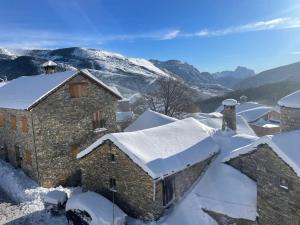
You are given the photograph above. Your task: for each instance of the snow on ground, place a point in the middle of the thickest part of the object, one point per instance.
(28, 198)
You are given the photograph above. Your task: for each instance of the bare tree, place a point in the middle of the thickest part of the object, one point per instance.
(171, 97)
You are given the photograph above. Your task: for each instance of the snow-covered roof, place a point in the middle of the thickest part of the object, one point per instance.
(3, 83)
(254, 114)
(98, 207)
(291, 100)
(221, 189)
(242, 106)
(149, 119)
(166, 149)
(124, 116)
(26, 91)
(49, 63)
(285, 145)
(214, 121)
(230, 102)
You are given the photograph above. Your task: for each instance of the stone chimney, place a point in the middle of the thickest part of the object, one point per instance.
(290, 112)
(49, 67)
(243, 99)
(229, 114)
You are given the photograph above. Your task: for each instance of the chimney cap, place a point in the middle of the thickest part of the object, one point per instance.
(49, 63)
(230, 102)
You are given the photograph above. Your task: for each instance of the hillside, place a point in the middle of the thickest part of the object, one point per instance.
(130, 75)
(289, 72)
(267, 94)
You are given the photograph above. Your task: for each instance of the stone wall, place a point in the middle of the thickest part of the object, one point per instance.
(261, 131)
(222, 219)
(278, 186)
(290, 119)
(137, 193)
(13, 139)
(63, 125)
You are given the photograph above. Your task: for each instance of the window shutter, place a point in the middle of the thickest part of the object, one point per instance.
(74, 151)
(24, 124)
(28, 157)
(98, 121)
(78, 89)
(2, 120)
(13, 121)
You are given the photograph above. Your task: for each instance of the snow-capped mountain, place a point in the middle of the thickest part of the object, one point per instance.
(129, 75)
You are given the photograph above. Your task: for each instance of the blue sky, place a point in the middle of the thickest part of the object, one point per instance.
(213, 35)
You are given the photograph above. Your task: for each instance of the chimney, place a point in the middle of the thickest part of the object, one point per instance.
(243, 99)
(229, 114)
(49, 67)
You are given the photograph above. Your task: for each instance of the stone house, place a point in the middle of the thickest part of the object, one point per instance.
(46, 119)
(273, 162)
(146, 171)
(264, 120)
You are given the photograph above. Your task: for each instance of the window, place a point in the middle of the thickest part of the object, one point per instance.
(112, 183)
(98, 121)
(27, 157)
(74, 150)
(2, 120)
(284, 183)
(78, 90)
(112, 157)
(24, 124)
(13, 122)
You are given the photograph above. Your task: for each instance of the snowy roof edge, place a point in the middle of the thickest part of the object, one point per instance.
(110, 137)
(85, 72)
(264, 140)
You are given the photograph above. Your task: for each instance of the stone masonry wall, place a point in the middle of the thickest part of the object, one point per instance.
(135, 188)
(10, 138)
(290, 119)
(277, 203)
(137, 193)
(62, 122)
(261, 131)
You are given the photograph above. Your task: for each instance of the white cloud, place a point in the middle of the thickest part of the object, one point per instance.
(170, 35)
(278, 23)
(295, 53)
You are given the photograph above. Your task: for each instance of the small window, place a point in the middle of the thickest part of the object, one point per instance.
(112, 183)
(27, 157)
(13, 122)
(98, 120)
(2, 120)
(74, 151)
(284, 183)
(112, 157)
(78, 90)
(24, 124)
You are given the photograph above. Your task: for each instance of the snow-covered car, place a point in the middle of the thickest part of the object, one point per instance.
(90, 208)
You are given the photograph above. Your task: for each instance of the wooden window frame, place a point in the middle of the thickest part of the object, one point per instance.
(24, 124)
(2, 120)
(78, 89)
(13, 121)
(98, 120)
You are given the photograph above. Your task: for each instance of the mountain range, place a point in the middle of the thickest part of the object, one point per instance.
(129, 75)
